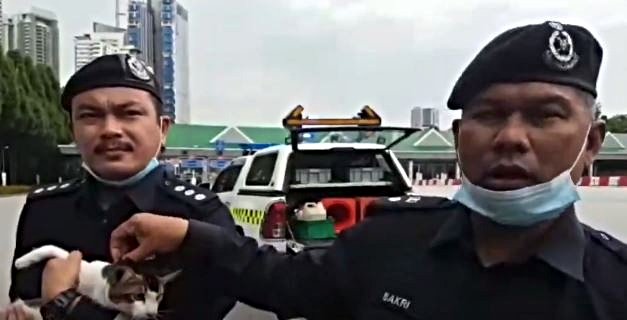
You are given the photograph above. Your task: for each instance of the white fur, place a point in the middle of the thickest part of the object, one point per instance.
(91, 284)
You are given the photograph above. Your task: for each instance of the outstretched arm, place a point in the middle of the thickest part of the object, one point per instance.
(311, 285)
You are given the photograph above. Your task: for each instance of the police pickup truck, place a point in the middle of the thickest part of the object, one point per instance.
(300, 195)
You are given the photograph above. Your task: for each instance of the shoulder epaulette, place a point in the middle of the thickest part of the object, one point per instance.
(410, 202)
(187, 192)
(607, 241)
(38, 192)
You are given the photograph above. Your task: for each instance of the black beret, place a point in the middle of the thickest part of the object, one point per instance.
(114, 70)
(549, 52)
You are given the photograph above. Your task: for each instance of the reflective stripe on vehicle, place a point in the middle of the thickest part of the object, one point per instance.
(248, 216)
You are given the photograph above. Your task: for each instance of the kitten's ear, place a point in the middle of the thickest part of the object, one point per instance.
(169, 277)
(115, 273)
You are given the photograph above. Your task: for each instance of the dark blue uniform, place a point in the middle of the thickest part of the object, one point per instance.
(415, 259)
(71, 215)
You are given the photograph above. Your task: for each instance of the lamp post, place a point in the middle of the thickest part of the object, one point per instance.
(4, 173)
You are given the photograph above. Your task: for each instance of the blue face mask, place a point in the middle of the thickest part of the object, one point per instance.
(526, 206)
(152, 165)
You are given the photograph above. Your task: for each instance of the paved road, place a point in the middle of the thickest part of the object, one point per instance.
(603, 208)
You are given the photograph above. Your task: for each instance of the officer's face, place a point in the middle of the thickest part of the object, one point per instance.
(117, 130)
(517, 135)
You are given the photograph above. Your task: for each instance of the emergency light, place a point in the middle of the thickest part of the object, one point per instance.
(366, 117)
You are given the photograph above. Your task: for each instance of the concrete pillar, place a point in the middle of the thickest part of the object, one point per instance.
(410, 171)
(591, 169)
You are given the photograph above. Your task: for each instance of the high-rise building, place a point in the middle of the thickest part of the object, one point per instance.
(141, 30)
(425, 117)
(102, 40)
(175, 43)
(159, 30)
(8, 34)
(101, 27)
(35, 34)
(2, 36)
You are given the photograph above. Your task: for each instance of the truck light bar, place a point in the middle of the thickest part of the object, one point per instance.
(366, 117)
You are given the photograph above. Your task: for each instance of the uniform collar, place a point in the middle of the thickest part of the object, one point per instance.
(142, 194)
(455, 228)
(563, 248)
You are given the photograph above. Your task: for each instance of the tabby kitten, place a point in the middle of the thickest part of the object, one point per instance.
(115, 286)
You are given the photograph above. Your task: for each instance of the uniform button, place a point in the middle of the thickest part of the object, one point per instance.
(105, 221)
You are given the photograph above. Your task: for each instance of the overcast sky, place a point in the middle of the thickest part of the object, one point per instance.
(253, 60)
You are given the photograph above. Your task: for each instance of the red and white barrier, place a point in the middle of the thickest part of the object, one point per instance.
(604, 181)
(438, 182)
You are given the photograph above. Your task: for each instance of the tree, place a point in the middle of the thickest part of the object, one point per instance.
(32, 122)
(617, 123)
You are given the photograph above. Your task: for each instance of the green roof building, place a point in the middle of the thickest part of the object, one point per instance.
(430, 152)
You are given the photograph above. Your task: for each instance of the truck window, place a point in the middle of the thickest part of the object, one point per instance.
(261, 170)
(328, 168)
(225, 181)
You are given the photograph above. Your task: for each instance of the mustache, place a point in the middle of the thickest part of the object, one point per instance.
(113, 145)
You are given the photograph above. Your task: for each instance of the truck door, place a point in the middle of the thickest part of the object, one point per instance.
(224, 184)
(258, 191)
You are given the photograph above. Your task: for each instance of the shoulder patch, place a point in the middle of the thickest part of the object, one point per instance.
(43, 191)
(607, 241)
(187, 192)
(410, 202)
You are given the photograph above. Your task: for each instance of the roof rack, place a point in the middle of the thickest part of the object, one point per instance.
(366, 117)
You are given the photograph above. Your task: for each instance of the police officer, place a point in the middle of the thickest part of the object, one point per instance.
(508, 246)
(119, 130)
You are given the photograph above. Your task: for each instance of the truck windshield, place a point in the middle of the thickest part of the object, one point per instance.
(341, 168)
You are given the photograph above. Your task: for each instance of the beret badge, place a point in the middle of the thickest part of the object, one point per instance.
(138, 68)
(561, 53)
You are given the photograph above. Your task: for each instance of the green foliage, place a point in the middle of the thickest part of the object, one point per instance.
(32, 121)
(616, 124)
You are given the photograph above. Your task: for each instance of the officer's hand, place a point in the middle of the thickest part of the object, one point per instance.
(60, 275)
(145, 234)
(16, 311)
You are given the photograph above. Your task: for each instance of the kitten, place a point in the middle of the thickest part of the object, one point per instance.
(114, 286)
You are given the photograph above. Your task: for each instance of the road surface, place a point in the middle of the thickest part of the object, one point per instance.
(602, 208)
